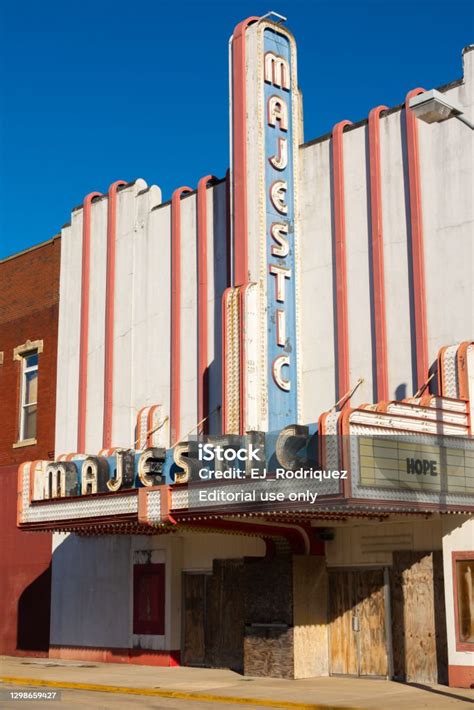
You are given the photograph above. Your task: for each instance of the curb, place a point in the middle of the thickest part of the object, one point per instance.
(174, 694)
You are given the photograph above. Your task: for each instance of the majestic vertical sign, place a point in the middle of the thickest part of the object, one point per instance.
(265, 232)
(280, 229)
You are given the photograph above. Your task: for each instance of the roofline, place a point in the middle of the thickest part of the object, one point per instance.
(347, 129)
(320, 139)
(35, 246)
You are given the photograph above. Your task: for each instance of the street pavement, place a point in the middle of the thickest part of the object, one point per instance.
(120, 686)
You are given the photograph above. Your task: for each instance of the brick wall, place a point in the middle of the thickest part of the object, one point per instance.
(29, 296)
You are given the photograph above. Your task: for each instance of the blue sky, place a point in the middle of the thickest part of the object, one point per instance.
(93, 92)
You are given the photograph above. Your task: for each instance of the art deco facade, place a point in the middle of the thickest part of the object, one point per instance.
(318, 300)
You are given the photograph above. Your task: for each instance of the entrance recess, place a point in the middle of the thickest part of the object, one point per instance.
(357, 622)
(213, 617)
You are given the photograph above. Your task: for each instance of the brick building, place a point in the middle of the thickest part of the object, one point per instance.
(29, 299)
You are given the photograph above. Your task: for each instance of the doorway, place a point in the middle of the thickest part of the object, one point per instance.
(213, 617)
(358, 607)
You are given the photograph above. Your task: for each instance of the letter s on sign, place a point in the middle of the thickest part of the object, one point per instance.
(279, 232)
(181, 459)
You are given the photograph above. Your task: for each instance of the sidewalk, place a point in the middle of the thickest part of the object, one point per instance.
(223, 687)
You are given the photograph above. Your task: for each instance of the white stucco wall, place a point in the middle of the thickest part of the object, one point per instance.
(143, 286)
(317, 324)
(374, 543)
(91, 576)
(446, 166)
(142, 325)
(92, 584)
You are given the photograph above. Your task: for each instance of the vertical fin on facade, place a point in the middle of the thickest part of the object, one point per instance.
(84, 333)
(202, 300)
(377, 249)
(417, 242)
(175, 375)
(110, 313)
(340, 260)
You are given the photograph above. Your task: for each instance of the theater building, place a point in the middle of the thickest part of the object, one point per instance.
(29, 297)
(315, 305)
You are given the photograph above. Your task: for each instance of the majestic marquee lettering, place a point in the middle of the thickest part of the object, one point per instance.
(280, 160)
(60, 480)
(278, 365)
(279, 232)
(281, 273)
(94, 475)
(278, 113)
(277, 70)
(278, 196)
(150, 465)
(124, 470)
(281, 328)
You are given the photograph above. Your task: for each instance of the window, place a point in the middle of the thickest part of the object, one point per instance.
(28, 395)
(464, 599)
(149, 599)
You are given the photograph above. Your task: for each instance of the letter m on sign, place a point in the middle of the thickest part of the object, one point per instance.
(277, 70)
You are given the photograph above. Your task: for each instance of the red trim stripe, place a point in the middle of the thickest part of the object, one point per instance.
(342, 323)
(84, 332)
(138, 427)
(149, 425)
(417, 245)
(239, 175)
(378, 273)
(239, 159)
(203, 327)
(109, 314)
(133, 656)
(175, 414)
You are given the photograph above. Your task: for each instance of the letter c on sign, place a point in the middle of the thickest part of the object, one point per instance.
(278, 363)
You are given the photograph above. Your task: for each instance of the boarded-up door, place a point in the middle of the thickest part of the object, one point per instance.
(213, 619)
(194, 619)
(418, 613)
(358, 641)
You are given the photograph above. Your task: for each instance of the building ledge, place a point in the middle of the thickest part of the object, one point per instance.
(24, 442)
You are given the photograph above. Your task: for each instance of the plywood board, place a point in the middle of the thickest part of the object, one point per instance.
(343, 643)
(358, 643)
(370, 608)
(413, 618)
(310, 593)
(194, 592)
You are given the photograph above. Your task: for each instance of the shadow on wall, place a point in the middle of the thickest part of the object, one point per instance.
(34, 614)
(401, 391)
